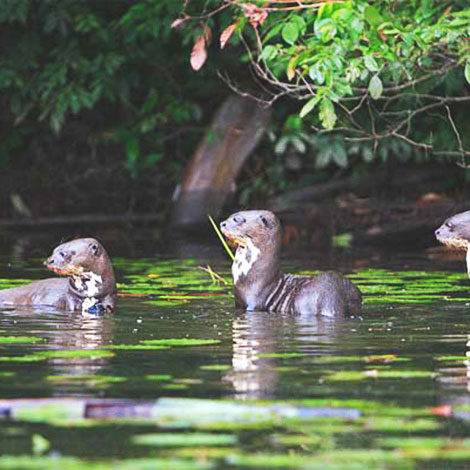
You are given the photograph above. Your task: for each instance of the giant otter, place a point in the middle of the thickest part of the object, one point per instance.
(89, 286)
(259, 284)
(455, 232)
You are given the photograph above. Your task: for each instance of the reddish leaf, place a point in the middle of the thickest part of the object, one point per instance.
(179, 22)
(199, 53)
(226, 33)
(443, 410)
(256, 15)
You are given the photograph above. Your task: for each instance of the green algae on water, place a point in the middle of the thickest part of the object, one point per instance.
(19, 339)
(175, 386)
(380, 374)
(75, 353)
(137, 347)
(180, 342)
(184, 439)
(281, 355)
(216, 367)
(11, 462)
(85, 378)
(161, 377)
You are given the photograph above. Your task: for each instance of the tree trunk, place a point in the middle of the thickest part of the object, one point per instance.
(209, 177)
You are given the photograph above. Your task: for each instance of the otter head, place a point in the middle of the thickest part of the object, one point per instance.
(88, 265)
(257, 235)
(76, 257)
(259, 227)
(455, 231)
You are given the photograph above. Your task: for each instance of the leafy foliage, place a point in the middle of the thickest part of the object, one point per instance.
(62, 59)
(366, 68)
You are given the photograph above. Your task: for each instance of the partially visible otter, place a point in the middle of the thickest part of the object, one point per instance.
(89, 286)
(455, 232)
(259, 284)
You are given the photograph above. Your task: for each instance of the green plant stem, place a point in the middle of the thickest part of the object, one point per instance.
(221, 237)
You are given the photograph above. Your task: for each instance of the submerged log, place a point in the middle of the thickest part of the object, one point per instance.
(210, 176)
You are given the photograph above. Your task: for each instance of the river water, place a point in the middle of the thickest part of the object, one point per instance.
(178, 378)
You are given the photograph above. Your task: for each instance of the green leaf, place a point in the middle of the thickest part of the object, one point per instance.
(375, 87)
(274, 31)
(300, 23)
(153, 158)
(467, 71)
(269, 52)
(308, 106)
(132, 149)
(340, 157)
(372, 16)
(370, 63)
(367, 154)
(325, 29)
(357, 25)
(290, 32)
(327, 114)
(316, 74)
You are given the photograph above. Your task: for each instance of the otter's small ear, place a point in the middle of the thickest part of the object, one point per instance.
(95, 249)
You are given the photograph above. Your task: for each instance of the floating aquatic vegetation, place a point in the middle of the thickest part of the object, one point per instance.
(281, 355)
(185, 439)
(344, 459)
(452, 358)
(379, 374)
(40, 444)
(180, 342)
(75, 354)
(161, 377)
(85, 378)
(27, 358)
(175, 386)
(11, 462)
(19, 339)
(217, 367)
(172, 283)
(137, 347)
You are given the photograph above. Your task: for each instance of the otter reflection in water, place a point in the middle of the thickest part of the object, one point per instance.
(261, 338)
(89, 287)
(259, 284)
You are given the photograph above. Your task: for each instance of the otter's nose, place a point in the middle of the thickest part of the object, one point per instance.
(48, 261)
(223, 224)
(437, 232)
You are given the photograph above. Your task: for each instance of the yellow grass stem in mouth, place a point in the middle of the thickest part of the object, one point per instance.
(222, 239)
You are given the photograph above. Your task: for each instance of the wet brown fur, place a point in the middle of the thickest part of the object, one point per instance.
(75, 260)
(259, 284)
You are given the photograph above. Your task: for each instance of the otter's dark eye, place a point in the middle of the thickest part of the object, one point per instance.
(265, 221)
(94, 248)
(238, 219)
(449, 226)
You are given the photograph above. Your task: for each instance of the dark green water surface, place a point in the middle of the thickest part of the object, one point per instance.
(178, 379)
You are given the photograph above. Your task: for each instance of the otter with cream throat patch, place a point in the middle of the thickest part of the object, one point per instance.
(88, 284)
(259, 283)
(455, 232)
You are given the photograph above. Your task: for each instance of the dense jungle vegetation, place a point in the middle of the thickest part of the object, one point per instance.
(105, 101)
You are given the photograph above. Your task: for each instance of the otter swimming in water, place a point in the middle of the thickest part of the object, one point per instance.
(259, 284)
(455, 232)
(89, 286)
